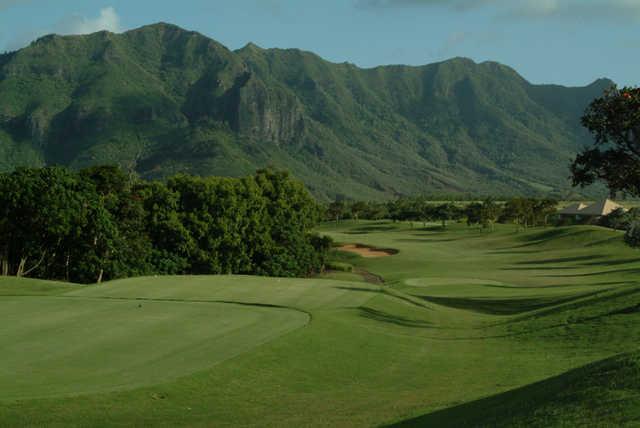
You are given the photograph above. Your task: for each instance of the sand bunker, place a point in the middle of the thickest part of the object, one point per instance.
(367, 252)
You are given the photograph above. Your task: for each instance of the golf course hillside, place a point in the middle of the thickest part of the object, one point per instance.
(410, 326)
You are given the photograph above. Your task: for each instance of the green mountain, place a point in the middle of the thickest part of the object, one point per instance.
(160, 100)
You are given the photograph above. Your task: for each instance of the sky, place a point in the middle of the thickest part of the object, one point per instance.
(568, 42)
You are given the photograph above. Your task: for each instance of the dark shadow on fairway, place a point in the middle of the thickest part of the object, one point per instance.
(363, 230)
(555, 235)
(627, 311)
(438, 229)
(386, 317)
(358, 289)
(506, 251)
(509, 306)
(612, 262)
(593, 298)
(542, 287)
(560, 260)
(428, 240)
(542, 268)
(634, 271)
(590, 390)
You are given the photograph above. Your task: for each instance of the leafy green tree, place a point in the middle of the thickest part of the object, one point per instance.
(632, 235)
(99, 224)
(357, 209)
(473, 212)
(446, 212)
(125, 202)
(337, 210)
(55, 226)
(489, 213)
(614, 120)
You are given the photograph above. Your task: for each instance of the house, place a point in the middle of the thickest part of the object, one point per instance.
(593, 211)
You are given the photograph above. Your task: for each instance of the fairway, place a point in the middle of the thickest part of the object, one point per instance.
(471, 328)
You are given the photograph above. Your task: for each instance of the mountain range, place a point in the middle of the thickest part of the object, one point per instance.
(160, 100)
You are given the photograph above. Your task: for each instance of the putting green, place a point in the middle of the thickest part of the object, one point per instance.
(145, 331)
(68, 345)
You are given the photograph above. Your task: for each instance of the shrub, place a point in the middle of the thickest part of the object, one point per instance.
(632, 237)
(340, 266)
(619, 219)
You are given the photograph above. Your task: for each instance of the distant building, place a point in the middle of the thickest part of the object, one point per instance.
(594, 211)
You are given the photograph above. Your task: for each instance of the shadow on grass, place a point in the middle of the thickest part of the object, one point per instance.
(541, 238)
(507, 251)
(551, 286)
(560, 260)
(533, 267)
(363, 230)
(626, 311)
(594, 391)
(540, 264)
(358, 289)
(437, 229)
(428, 239)
(634, 271)
(595, 298)
(509, 306)
(612, 262)
(386, 317)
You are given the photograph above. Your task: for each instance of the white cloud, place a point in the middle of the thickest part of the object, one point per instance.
(107, 20)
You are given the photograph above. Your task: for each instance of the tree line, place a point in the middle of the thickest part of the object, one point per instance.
(525, 212)
(99, 224)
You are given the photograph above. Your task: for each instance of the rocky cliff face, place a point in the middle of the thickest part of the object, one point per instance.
(269, 114)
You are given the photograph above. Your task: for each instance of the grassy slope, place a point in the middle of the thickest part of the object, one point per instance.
(374, 355)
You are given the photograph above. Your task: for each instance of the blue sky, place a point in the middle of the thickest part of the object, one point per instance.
(570, 42)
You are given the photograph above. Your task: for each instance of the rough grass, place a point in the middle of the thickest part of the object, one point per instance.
(537, 328)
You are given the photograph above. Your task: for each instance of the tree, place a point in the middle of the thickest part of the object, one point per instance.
(489, 213)
(357, 209)
(614, 120)
(446, 212)
(55, 225)
(337, 210)
(473, 212)
(98, 225)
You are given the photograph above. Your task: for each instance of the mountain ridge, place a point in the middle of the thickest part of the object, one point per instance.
(159, 100)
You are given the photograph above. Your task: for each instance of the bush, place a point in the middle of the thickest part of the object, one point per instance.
(619, 219)
(632, 237)
(340, 266)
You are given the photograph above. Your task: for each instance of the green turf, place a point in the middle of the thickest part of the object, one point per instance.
(472, 328)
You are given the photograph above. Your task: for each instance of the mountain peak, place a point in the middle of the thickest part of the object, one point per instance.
(160, 26)
(187, 103)
(250, 47)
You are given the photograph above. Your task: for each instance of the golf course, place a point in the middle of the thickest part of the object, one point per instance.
(428, 326)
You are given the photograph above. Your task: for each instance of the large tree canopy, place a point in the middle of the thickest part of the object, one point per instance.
(100, 224)
(614, 120)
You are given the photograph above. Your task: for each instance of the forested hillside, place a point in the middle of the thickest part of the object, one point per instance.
(160, 100)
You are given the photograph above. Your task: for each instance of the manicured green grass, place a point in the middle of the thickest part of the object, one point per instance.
(472, 328)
